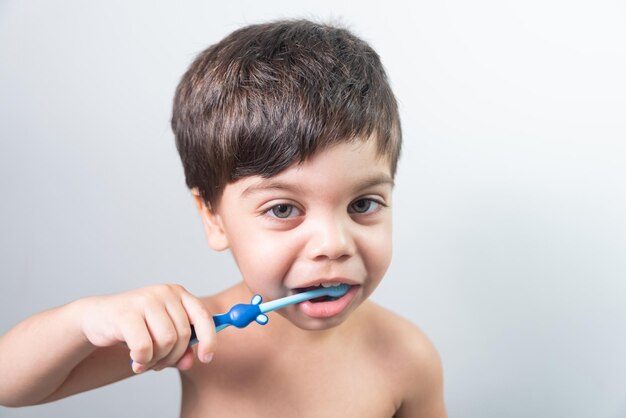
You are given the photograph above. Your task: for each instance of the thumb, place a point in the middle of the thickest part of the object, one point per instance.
(186, 361)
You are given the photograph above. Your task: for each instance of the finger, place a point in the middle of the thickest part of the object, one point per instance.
(204, 326)
(180, 320)
(137, 337)
(186, 361)
(163, 333)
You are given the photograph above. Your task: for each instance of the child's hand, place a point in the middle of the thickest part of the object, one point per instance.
(154, 322)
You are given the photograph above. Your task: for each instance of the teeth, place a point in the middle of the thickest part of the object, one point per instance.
(330, 284)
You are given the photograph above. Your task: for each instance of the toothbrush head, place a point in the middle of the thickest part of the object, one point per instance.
(337, 291)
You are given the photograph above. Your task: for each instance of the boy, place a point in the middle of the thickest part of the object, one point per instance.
(289, 136)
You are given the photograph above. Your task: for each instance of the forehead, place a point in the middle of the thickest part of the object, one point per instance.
(343, 167)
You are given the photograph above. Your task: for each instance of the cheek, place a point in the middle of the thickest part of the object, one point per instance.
(263, 259)
(382, 261)
(379, 252)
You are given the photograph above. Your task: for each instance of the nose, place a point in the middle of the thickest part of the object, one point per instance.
(331, 238)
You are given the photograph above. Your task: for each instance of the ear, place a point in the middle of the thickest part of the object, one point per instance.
(212, 222)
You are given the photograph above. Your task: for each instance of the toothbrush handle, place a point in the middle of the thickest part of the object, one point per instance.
(240, 315)
(290, 300)
(219, 325)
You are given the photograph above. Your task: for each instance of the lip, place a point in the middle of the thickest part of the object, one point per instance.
(328, 308)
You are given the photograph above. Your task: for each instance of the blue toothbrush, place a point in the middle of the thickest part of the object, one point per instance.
(243, 314)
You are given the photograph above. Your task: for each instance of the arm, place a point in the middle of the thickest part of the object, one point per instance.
(80, 346)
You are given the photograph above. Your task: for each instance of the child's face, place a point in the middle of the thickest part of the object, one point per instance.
(326, 220)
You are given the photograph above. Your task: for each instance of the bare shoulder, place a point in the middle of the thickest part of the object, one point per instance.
(411, 361)
(402, 340)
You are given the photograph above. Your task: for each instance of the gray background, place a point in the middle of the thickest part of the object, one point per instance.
(509, 207)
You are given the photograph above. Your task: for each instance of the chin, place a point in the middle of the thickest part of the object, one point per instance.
(311, 324)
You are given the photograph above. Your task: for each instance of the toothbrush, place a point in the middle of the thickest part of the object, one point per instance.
(242, 314)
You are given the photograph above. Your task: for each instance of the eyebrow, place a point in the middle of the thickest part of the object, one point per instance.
(270, 184)
(375, 181)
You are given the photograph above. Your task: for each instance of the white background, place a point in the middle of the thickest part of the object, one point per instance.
(509, 209)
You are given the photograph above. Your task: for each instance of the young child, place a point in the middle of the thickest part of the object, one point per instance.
(289, 136)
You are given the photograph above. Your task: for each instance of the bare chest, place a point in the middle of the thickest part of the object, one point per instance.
(289, 384)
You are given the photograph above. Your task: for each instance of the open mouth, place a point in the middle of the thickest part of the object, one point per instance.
(321, 298)
(327, 306)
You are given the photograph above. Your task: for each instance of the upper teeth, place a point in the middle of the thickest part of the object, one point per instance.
(330, 284)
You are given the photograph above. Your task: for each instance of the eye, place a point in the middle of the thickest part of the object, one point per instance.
(363, 206)
(282, 211)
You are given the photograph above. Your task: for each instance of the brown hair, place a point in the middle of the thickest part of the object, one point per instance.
(269, 95)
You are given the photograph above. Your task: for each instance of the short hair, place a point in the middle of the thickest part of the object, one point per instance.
(270, 95)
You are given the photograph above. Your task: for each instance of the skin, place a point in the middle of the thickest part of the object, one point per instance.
(325, 220)
(88, 343)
